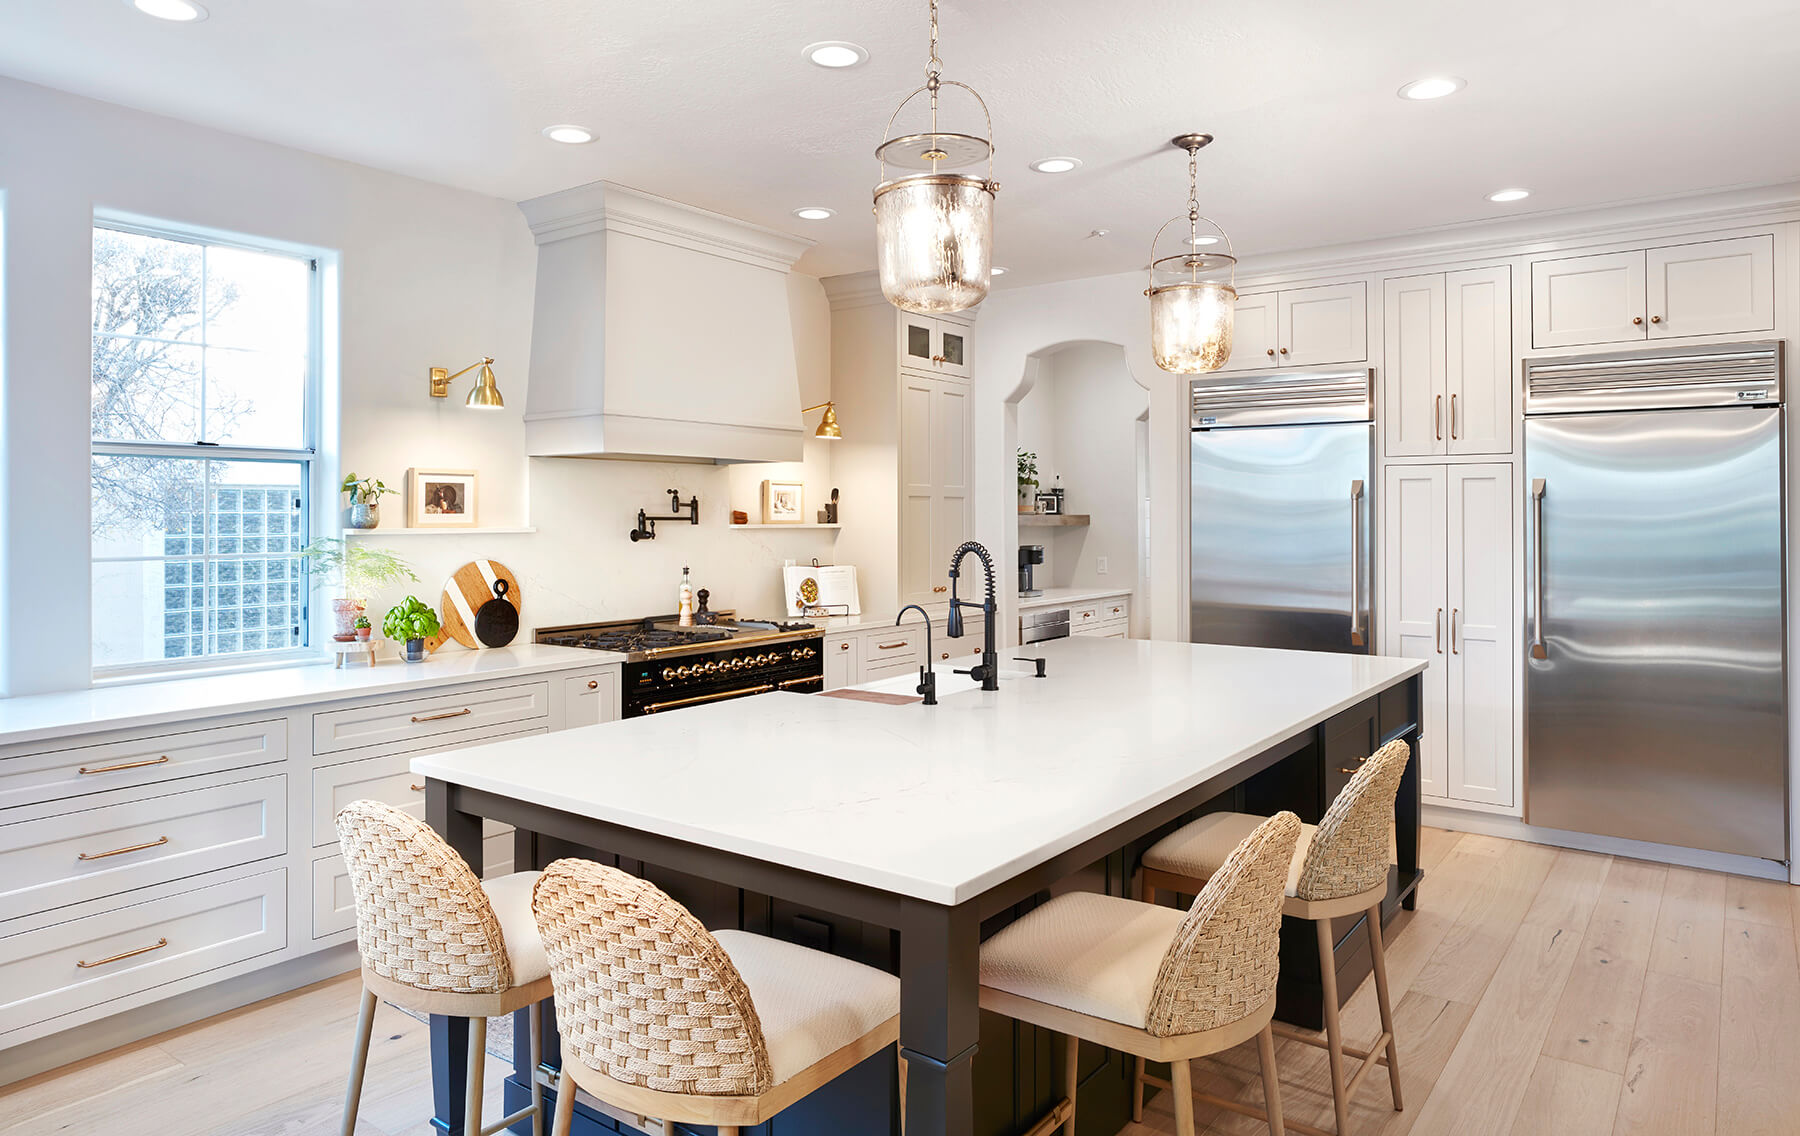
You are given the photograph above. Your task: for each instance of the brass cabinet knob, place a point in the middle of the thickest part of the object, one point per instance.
(593, 684)
(1637, 319)
(1655, 319)
(843, 646)
(1284, 351)
(1271, 351)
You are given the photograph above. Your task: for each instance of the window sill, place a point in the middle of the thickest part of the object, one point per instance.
(131, 676)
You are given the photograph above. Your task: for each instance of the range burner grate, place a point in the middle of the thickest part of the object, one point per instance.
(652, 639)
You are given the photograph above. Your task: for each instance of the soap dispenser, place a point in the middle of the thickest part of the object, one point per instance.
(685, 608)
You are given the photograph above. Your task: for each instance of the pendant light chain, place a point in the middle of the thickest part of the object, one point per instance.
(933, 67)
(1193, 194)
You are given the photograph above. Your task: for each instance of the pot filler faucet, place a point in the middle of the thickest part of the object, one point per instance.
(988, 673)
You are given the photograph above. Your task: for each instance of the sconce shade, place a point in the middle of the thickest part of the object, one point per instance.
(828, 425)
(485, 396)
(934, 241)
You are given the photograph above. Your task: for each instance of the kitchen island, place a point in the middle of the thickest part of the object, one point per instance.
(899, 834)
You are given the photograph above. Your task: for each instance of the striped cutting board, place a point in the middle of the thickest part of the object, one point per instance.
(467, 589)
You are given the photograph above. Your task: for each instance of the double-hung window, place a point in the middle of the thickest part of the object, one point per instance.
(205, 403)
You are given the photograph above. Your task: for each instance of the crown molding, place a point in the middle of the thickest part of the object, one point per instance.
(605, 206)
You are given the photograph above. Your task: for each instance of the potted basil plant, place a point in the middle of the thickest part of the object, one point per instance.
(411, 623)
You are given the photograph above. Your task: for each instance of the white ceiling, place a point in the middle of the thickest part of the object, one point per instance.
(1585, 102)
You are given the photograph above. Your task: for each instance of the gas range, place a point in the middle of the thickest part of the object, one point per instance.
(668, 667)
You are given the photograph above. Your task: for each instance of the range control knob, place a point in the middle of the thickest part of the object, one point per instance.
(808, 653)
(682, 672)
(794, 654)
(712, 668)
(668, 674)
(767, 659)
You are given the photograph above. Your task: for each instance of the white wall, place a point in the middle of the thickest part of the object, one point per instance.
(425, 276)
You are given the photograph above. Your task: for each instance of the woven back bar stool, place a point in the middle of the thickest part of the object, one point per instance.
(1339, 868)
(436, 940)
(1158, 983)
(665, 1019)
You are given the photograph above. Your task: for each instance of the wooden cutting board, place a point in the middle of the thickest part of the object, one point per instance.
(467, 589)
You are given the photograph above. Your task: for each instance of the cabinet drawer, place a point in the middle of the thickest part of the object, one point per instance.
(385, 779)
(86, 962)
(892, 648)
(334, 900)
(57, 860)
(56, 774)
(424, 718)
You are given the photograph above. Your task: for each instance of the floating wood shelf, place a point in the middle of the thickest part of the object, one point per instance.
(438, 532)
(1054, 520)
(805, 526)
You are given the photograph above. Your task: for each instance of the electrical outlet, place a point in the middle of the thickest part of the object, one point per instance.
(1102, 566)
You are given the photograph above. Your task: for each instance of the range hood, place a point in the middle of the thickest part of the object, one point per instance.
(659, 331)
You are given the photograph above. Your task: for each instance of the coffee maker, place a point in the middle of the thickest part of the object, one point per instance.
(1030, 556)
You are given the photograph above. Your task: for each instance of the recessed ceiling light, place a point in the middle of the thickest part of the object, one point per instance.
(1435, 87)
(1509, 195)
(568, 134)
(1056, 165)
(179, 11)
(996, 270)
(813, 213)
(835, 54)
(1203, 239)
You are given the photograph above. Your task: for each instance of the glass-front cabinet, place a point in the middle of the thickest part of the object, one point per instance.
(933, 345)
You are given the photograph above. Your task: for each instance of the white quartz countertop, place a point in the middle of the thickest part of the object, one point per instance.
(182, 700)
(941, 802)
(1066, 597)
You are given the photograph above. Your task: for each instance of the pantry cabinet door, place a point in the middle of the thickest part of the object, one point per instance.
(1253, 332)
(1482, 634)
(1712, 288)
(952, 513)
(1414, 599)
(1412, 386)
(918, 572)
(1580, 300)
(1317, 326)
(1478, 353)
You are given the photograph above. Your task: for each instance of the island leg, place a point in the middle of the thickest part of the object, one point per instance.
(450, 1036)
(1409, 804)
(940, 1016)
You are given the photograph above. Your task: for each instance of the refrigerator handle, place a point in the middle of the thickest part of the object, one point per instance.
(1357, 638)
(1537, 569)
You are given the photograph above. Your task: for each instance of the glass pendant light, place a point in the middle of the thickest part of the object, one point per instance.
(1193, 295)
(934, 230)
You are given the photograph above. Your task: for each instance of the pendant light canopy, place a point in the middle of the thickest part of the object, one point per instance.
(934, 229)
(1193, 294)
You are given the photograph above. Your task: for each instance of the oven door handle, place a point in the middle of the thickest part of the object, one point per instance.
(760, 688)
(792, 682)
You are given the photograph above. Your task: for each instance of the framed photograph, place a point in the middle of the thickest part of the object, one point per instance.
(782, 503)
(440, 498)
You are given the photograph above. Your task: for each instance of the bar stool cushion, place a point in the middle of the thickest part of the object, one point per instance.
(1198, 850)
(811, 1004)
(510, 897)
(1098, 955)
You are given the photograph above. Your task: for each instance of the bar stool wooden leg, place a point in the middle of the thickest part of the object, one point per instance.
(1265, 1054)
(477, 1068)
(1334, 1039)
(1071, 1078)
(535, 1016)
(565, 1106)
(359, 1059)
(1137, 1091)
(1181, 1087)
(902, 1057)
(728, 1130)
(1378, 953)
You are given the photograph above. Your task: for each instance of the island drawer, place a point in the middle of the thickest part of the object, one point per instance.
(899, 648)
(426, 718)
(54, 861)
(385, 779)
(73, 772)
(95, 959)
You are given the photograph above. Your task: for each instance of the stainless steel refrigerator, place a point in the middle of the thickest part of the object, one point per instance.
(1656, 687)
(1282, 511)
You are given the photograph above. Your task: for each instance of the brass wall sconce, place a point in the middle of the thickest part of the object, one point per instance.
(485, 396)
(828, 425)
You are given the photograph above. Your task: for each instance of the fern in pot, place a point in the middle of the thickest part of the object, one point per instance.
(359, 572)
(411, 622)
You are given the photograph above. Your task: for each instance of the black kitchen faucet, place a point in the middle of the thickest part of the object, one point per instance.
(988, 672)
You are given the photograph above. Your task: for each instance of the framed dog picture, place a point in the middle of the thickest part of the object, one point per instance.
(782, 503)
(440, 498)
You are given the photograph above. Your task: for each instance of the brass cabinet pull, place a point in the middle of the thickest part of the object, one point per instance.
(1437, 630)
(156, 946)
(1437, 418)
(941, 588)
(1343, 769)
(891, 646)
(1453, 649)
(441, 717)
(416, 788)
(593, 684)
(123, 765)
(158, 842)
(1453, 418)
(697, 699)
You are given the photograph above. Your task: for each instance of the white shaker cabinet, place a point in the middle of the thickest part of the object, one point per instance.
(938, 346)
(1301, 327)
(1448, 598)
(1447, 381)
(935, 509)
(1723, 287)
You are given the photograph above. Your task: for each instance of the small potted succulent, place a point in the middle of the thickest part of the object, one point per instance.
(411, 623)
(365, 501)
(363, 629)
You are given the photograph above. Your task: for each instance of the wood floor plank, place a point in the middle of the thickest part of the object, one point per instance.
(1690, 928)
(1434, 845)
(1759, 1044)
(1671, 1084)
(38, 1100)
(1595, 1016)
(1759, 901)
(1570, 890)
(1473, 948)
(1481, 1088)
(1567, 1099)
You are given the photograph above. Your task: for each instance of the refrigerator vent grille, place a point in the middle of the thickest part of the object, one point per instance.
(1647, 380)
(1301, 397)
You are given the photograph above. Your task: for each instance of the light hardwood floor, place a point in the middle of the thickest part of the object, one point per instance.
(1537, 992)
